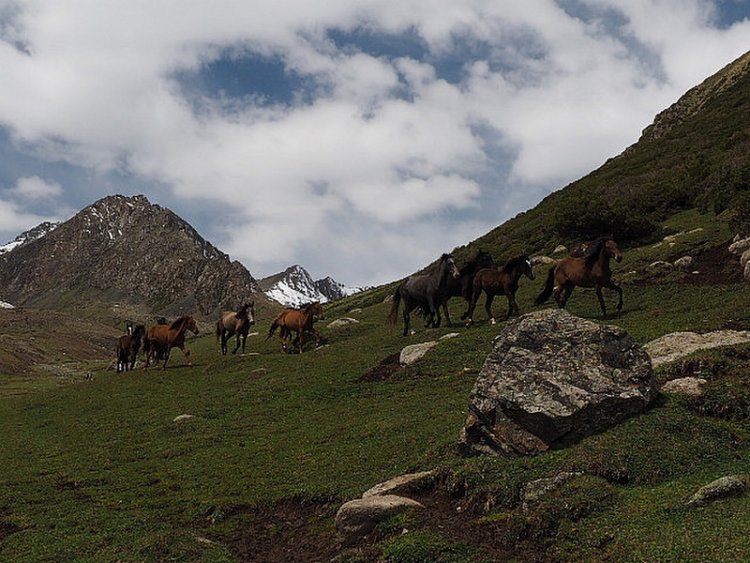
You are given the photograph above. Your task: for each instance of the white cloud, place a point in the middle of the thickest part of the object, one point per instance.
(34, 187)
(383, 144)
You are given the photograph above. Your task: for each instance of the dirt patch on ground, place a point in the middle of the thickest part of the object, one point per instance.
(715, 266)
(289, 530)
(384, 370)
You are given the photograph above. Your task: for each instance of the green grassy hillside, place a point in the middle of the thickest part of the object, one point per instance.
(100, 471)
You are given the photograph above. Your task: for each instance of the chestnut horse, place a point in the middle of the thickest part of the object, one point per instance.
(165, 337)
(128, 346)
(231, 323)
(499, 282)
(590, 271)
(425, 291)
(299, 321)
(463, 285)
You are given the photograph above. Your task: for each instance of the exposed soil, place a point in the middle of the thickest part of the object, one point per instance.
(715, 266)
(384, 370)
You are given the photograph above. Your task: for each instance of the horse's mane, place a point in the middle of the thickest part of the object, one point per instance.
(513, 263)
(593, 253)
(177, 322)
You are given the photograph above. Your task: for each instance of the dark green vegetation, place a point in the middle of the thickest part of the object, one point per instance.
(100, 471)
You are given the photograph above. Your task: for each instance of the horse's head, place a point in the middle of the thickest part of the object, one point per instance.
(247, 312)
(450, 265)
(528, 270)
(191, 325)
(139, 331)
(613, 250)
(484, 260)
(316, 309)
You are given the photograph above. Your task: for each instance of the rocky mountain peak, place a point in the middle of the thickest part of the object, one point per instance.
(294, 287)
(125, 248)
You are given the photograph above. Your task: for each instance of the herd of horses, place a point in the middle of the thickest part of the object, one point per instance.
(587, 266)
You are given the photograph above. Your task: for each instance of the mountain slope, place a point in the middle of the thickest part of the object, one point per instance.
(294, 287)
(696, 154)
(124, 248)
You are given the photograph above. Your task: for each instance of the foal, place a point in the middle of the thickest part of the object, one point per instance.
(128, 346)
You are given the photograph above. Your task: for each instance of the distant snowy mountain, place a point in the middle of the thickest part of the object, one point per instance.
(32, 234)
(294, 287)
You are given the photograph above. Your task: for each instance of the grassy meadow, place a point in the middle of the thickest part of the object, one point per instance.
(99, 470)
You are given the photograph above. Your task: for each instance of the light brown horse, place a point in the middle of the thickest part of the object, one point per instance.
(590, 271)
(165, 337)
(128, 346)
(499, 282)
(231, 323)
(299, 321)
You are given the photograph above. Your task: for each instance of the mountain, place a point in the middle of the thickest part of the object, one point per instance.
(294, 287)
(29, 236)
(695, 155)
(123, 249)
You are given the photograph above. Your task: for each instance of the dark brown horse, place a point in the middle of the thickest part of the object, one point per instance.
(231, 323)
(590, 271)
(299, 321)
(463, 285)
(165, 337)
(499, 282)
(425, 291)
(128, 346)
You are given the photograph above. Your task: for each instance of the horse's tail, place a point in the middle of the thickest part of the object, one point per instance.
(218, 330)
(391, 319)
(274, 326)
(548, 287)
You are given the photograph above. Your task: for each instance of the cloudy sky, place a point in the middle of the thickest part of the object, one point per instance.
(360, 139)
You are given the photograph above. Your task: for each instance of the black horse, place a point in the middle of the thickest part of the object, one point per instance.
(426, 291)
(500, 282)
(463, 284)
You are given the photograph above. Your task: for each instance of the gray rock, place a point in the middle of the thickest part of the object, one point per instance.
(402, 484)
(745, 258)
(357, 518)
(684, 264)
(689, 386)
(746, 272)
(541, 260)
(676, 345)
(182, 417)
(551, 379)
(533, 491)
(449, 336)
(560, 249)
(415, 352)
(660, 267)
(730, 486)
(343, 321)
(739, 246)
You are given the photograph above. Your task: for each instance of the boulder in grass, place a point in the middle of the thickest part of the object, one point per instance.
(357, 518)
(551, 379)
(730, 486)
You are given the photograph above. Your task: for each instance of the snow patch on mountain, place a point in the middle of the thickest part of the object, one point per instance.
(295, 287)
(31, 235)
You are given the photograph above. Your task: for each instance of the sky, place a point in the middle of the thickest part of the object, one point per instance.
(360, 139)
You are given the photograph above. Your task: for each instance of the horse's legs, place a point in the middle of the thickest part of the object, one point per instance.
(488, 305)
(407, 310)
(237, 347)
(472, 303)
(512, 305)
(600, 297)
(563, 293)
(447, 314)
(612, 285)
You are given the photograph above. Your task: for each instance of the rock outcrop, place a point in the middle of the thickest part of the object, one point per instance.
(551, 379)
(729, 486)
(676, 345)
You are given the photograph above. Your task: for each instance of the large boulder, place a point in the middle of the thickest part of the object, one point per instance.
(551, 379)
(357, 518)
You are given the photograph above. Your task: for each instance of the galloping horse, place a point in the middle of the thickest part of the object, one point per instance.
(425, 291)
(299, 321)
(499, 282)
(463, 285)
(165, 337)
(590, 271)
(128, 346)
(231, 323)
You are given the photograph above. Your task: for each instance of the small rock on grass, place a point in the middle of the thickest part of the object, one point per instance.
(729, 486)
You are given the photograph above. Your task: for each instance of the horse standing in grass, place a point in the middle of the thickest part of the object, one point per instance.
(499, 282)
(590, 271)
(425, 291)
(231, 323)
(462, 286)
(299, 321)
(128, 346)
(165, 337)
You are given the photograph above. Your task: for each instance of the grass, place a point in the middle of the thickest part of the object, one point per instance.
(99, 470)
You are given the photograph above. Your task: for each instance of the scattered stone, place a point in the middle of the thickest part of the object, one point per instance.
(746, 272)
(541, 260)
(357, 518)
(343, 321)
(415, 352)
(685, 263)
(533, 491)
(689, 386)
(355, 311)
(740, 246)
(402, 484)
(745, 258)
(560, 249)
(551, 379)
(675, 345)
(182, 417)
(449, 336)
(730, 486)
(660, 267)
